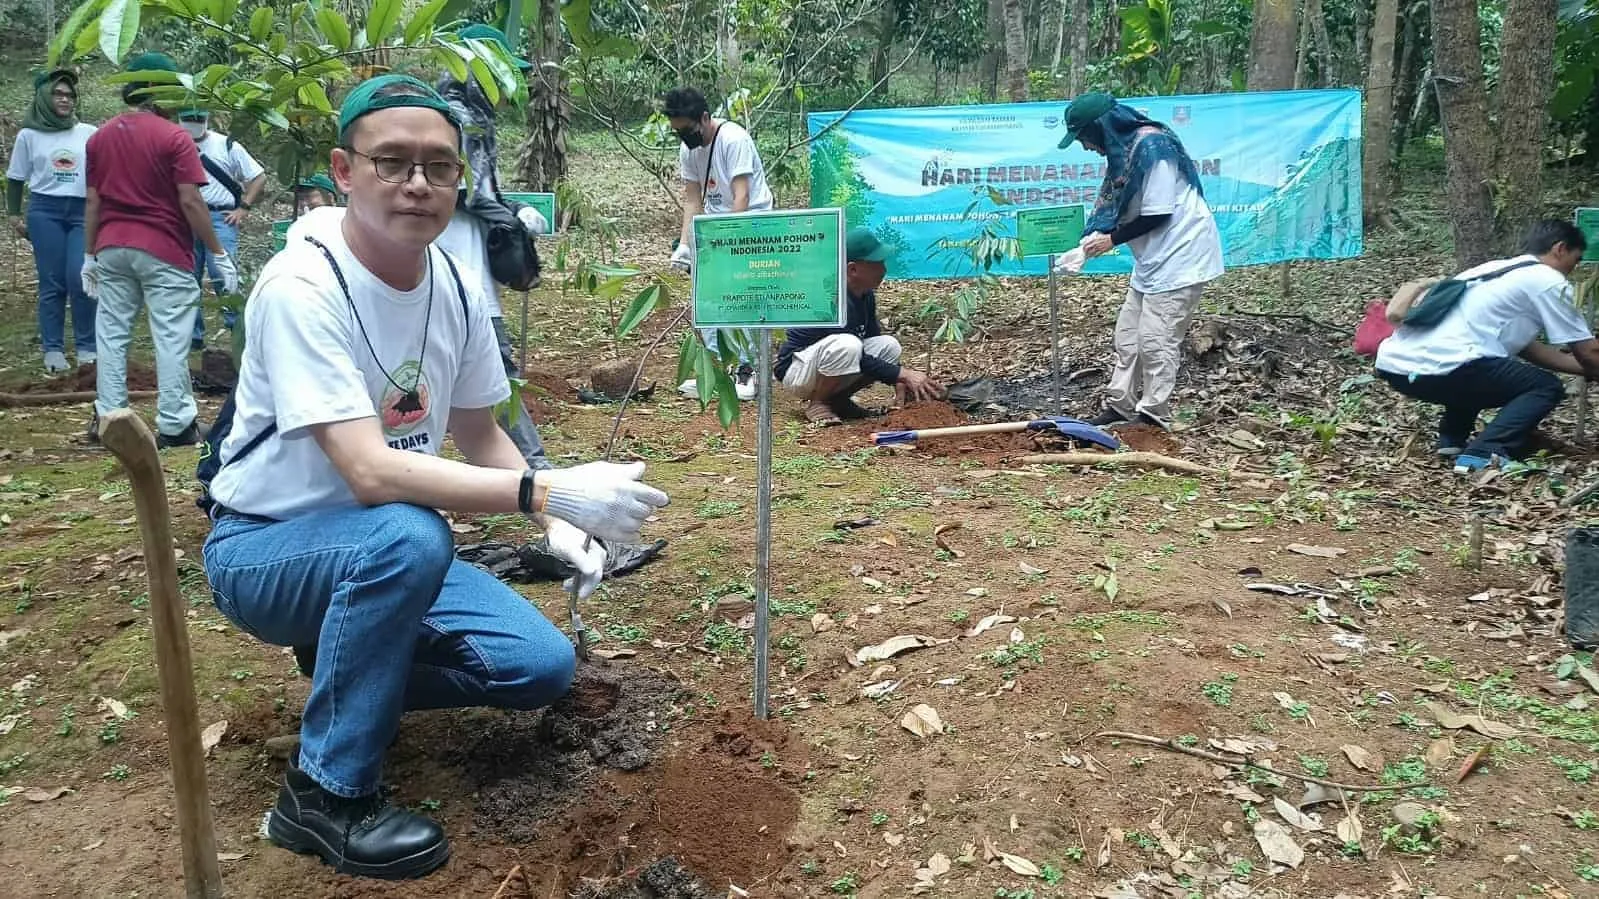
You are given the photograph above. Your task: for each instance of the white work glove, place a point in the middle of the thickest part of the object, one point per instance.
(228, 271)
(566, 542)
(682, 257)
(601, 498)
(1070, 262)
(91, 276)
(532, 220)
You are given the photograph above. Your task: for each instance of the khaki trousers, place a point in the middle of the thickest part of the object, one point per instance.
(1149, 335)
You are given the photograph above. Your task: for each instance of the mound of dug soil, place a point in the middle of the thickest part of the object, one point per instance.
(140, 377)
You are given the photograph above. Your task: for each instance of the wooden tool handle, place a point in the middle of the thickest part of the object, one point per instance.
(1001, 428)
(126, 435)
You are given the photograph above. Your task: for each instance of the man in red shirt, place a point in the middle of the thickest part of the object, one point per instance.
(142, 217)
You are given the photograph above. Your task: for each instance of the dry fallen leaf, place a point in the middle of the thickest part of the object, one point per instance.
(923, 721)
(1031, 569)
(1349, 830)
(938, 538)
(891, 647)
(1361, 758)
(1294, 816)
(115, 708)
(40, 795)
(1102, 858)
(1242, 793)
(1019, 865)
(988, 622)
(1439, 752)
(938, 864)
(212, 735)
(231, 856)
(1473, 761)
(1320, 552)
(630, 653)
(1448, 718)
(1276, 844)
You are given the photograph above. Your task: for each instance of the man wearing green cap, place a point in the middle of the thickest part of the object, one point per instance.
(365, 350)
(827, 366)
(142, 216)
(314, 192)
(1151, 201)
(235, 184)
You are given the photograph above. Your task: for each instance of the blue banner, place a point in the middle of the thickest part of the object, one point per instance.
(1280, 171)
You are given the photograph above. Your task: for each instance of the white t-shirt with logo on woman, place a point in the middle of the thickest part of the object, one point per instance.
(52, 163)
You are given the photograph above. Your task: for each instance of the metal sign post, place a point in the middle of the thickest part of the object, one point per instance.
(763, 271)
(1047, 232)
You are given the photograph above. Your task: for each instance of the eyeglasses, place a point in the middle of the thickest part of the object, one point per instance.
(398, 170)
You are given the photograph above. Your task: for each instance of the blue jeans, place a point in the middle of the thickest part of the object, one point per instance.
(399, 624)
(744, 342)
(55, 228)
(1524, 395)
(228, 236)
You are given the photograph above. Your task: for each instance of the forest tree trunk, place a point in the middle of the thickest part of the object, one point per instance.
(1463, 111)
(1081, 24)
(549, 110)
(1526, 79)
(1379, 125)
(1272, 41)
(1015, 52)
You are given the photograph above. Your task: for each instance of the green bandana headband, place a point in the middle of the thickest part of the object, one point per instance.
(365, 98)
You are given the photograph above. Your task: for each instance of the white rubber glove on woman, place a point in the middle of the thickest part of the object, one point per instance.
(566, 542)
(601, 498)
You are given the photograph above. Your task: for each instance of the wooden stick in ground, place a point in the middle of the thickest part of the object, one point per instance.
(1138, 459)
(1474, 542)
(1580, 495)
(19, 400)
(1246, 761)
(125, 434)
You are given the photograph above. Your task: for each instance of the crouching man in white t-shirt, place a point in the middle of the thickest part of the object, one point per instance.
(1467, 362)
(1151, 201)
(362, 355)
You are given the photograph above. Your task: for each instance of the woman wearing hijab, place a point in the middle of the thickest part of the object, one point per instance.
(1152, 201)
(49, 161)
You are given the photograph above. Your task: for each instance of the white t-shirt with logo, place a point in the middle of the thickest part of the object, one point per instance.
(1493, 320)
(1184, 251)
(234, 160)
(306, 362)
(52, 163)
(733, 154)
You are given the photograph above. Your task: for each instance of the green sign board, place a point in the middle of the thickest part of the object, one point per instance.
(280, 234)
(1588, 224)
(1048, 231)
(778, 269)
(544, 203)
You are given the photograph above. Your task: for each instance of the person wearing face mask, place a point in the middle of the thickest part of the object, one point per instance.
(142, 213)
(722, 173)
(48, 161)
(1151, 201)
(233, 185)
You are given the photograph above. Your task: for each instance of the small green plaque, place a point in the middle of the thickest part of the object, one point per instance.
(544, 203)
(1048, 231)
(768, 270)
(280, 234)
(1588, 224)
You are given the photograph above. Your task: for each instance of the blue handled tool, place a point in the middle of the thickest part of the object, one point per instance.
(1071, 427)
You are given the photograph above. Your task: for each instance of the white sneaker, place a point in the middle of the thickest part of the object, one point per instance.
(55, 361)
(87, 358)
(745, 389)
(690, 389)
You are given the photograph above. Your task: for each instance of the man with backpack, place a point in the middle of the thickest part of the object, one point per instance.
(365, 348)
(234, 182)
(1461, 353)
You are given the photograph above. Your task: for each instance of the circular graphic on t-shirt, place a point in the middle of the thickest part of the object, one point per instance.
(402, 410)
(64, 165)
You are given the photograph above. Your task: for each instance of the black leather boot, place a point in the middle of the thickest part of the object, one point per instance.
(366, 837)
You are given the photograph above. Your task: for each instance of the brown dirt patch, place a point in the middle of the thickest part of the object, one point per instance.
(140, 377)
(545, 390)
(1149, 439)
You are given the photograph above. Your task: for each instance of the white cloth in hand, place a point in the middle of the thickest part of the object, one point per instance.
(566, 542)
(601, 498)
(227, 271)
(532, 220)
(1070, 262)
(682, 257)
(90, 274)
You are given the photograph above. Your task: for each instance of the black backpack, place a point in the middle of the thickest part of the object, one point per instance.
(211, 460)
